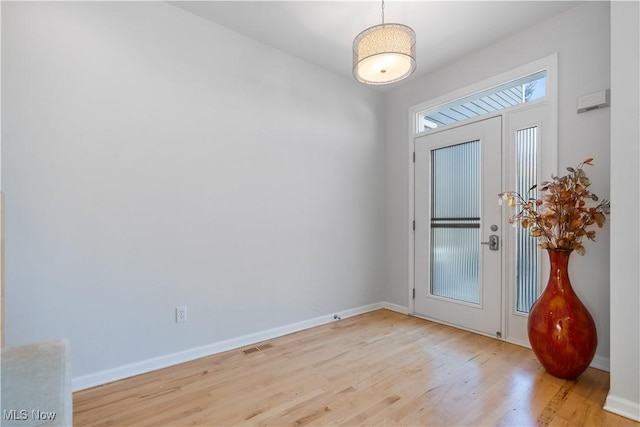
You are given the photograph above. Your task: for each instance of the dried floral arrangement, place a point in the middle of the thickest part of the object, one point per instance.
(564, 213)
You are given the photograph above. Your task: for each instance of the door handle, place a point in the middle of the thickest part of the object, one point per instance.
(494, 242)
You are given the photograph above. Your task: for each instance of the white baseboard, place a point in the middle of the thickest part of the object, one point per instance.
(623, 407)
(395, 307)
(144, 366)
(602, 363)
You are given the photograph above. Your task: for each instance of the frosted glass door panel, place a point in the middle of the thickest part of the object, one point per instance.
(454, 264)
(526, 246)
(455, 222)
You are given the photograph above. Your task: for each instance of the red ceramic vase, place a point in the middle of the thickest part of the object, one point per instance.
(561, 331)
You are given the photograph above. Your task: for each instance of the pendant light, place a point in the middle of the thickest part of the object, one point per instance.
(384, 53)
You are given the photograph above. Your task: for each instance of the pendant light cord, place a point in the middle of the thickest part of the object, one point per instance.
(383, 11)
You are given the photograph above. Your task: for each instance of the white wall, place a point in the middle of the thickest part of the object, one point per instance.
(580, 36)
(152, 159)
(624, 395)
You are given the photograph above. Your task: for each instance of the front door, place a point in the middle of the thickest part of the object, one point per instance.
(457, 231)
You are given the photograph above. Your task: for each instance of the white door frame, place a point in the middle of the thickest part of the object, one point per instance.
(549, 157)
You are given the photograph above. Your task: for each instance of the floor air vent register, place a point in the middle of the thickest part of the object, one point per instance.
(256, 349)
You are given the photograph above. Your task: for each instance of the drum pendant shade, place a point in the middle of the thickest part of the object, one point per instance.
(384, 53)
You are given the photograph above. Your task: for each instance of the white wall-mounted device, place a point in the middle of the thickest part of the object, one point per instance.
(593, 101)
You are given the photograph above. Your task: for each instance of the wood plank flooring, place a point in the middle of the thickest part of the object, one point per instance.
(381, 368)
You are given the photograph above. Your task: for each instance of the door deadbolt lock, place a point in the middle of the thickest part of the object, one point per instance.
(494, 242)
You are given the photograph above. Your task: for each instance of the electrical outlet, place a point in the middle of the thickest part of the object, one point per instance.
(181, 314)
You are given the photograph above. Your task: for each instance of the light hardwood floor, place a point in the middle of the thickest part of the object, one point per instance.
(379, 368)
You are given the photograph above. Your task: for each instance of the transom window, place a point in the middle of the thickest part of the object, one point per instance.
(525, 89)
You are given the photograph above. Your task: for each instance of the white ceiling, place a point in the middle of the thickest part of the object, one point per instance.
(322, 32)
